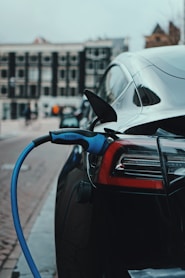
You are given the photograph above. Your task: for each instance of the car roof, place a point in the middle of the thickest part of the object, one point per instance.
(170, 59)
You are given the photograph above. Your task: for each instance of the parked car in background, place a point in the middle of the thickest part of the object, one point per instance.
(124, 211)
(68, 120)
(68, 117)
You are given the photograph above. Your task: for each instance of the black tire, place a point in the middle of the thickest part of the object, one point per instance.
(73, 230)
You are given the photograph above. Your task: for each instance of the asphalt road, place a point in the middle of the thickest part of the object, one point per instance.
(36, 180)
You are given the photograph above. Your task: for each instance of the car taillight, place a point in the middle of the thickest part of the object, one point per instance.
(132, 164)
(146, 163)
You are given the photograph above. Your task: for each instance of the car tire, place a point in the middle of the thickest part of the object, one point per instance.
(73, 230)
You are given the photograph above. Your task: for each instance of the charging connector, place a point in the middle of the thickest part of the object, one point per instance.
(92, 142)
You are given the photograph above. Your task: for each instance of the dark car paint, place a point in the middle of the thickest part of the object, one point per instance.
(143, 229)
(132, 229)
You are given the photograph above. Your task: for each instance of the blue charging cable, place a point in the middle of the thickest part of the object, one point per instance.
(92, 142)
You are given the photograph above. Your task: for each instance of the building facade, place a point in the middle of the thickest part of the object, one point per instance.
(161, 38)
(46, 74)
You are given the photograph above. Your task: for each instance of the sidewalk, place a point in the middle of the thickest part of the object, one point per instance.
(9, 128)
(41, 245)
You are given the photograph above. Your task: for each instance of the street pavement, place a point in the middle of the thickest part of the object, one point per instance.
(36, 196)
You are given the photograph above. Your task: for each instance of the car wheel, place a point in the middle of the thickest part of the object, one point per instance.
(73, 230)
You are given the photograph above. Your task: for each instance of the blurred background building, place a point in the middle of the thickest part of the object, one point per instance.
(47, 75)
(161, 38)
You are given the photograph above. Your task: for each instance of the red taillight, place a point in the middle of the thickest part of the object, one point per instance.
(150, 163)
(132, 164)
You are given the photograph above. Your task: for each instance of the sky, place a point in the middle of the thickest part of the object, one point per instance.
(63, 21)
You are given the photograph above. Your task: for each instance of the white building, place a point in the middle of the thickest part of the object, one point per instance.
(47, 74)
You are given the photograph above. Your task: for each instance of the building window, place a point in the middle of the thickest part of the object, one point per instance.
(33, 58)
(46, 91)
(4, 59)
(62, 91)
(89, 81)
(73, 74)
(4, 90)
(4, 73)
(46, 59)
(20, 73)
(33, 91)
(74, 59)
(62, 74)
(101, 65)
(103, 51)
(21, 90)
(96, 52)
(62, 59)
(20, 58)
(33, 74)
(73, 91)
(89, 51)
(46, 74)
(89, 65)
